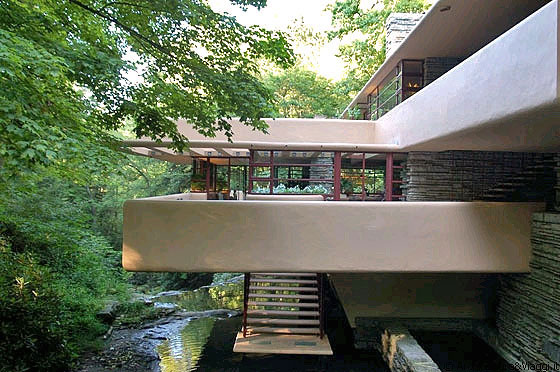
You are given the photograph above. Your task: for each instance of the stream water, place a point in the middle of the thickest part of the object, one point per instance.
(183, 351)
(205, 344)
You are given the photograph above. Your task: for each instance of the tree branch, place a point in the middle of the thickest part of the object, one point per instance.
(126, 28)
(141, 173)
(121, 3)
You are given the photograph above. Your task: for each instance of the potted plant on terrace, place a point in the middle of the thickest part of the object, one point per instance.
(346, 186)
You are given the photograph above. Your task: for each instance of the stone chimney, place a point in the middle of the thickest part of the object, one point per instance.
(398, 26)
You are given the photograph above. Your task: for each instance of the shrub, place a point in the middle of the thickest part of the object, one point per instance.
(283, 189)
(32, 336)
(55, 275)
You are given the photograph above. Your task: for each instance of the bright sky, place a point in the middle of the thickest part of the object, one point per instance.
(279, 14)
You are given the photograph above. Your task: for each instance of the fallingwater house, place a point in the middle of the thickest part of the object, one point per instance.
(435, 210)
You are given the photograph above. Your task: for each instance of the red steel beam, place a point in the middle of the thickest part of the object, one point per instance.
(249, 171)
(291, 165)
(265, 179)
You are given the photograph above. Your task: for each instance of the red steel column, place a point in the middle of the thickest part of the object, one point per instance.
(246, 283)
(249, 173)
(207, 175)
(337, 166)
(363, 176)
(271, 186)
(389, 177)
(228, 176)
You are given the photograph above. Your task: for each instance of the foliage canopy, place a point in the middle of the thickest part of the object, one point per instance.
(363, 56)
(301, 93)
(72, 69)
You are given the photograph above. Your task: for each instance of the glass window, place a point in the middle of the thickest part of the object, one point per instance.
(413, 67)
(261, 156)
(404, 81)
(260, 172)
(295, 172)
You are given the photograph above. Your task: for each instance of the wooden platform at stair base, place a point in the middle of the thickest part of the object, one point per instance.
(266, 343)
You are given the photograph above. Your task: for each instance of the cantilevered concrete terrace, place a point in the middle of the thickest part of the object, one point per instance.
(502, 98)
(318, 236)
(413, 260)
(450, 29)
(505, 97)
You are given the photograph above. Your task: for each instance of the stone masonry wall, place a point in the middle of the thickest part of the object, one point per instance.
(395, 344)
(528, 309)
(465, 175)
(434, 67)
(398, 26)
(528, 312)
(322, 172)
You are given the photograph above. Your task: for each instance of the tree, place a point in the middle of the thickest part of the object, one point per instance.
(363, 56)
(64, 67)
(65, 91)
(301, 93)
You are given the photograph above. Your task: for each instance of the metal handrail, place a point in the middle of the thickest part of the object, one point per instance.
(388, 99)
(389, 84)
(321, 291)
(246, 281)
(381, 106)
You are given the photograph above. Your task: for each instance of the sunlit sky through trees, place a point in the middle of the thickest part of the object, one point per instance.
(281, 14)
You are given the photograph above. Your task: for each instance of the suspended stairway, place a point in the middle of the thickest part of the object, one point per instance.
(283, 313)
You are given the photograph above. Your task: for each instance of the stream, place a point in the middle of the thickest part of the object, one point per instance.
(198, 328)
(183, 351)
(197, 334)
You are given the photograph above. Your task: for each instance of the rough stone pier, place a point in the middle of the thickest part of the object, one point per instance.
(395, 343)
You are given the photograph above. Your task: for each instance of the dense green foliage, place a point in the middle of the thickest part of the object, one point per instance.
(29, 326)
(72, 74)
(60, 259)
(67, 74)
(76, 73)
(136, 177)
(301, 93)
(364, 55)
(53, 272)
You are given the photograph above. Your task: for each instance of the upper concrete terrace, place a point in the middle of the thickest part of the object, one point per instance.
(282, 134)
(469, 26)
(504, 97)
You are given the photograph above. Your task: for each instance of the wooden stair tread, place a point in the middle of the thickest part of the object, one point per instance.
(294, 281)
(275, 288)
(283, 312)
(307, 331)
(285, 274)
(277, 321)
(271, 295)
(283, 304)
